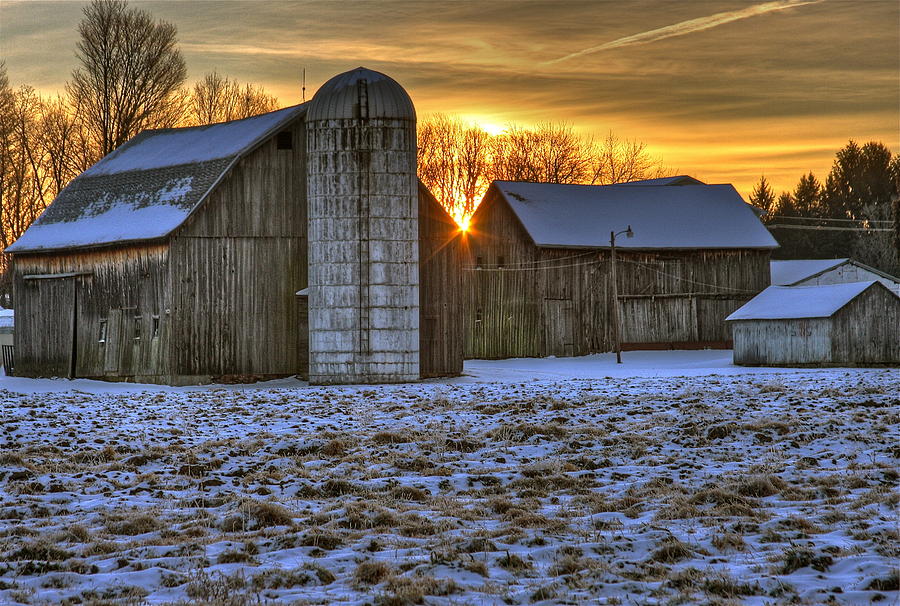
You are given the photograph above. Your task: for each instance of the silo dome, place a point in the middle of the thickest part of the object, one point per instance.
(343, 98)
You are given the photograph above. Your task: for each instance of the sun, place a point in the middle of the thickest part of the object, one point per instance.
(487, 125)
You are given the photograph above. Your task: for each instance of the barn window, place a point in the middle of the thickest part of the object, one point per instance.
(479, 315)
(501, 262)
(285, 140)
(102, 336)
(154, 327)
(477, 262)
(137, 328)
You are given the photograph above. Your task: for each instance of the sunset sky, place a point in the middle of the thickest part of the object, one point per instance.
(723, 90)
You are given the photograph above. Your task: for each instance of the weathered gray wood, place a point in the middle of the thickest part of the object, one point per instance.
(672, 298)
(865, 331)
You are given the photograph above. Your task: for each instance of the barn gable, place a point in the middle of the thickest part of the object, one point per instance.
(149, 186)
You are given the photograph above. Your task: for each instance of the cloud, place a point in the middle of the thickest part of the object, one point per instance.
(688, 27)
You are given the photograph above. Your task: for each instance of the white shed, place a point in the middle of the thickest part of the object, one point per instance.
(7, 325)
(816, 272)
(832, 325)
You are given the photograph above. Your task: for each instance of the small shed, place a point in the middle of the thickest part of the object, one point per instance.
(814, 272)
(831, 325)
(7, 325)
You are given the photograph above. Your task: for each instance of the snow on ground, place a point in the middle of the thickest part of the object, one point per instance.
(674, 478)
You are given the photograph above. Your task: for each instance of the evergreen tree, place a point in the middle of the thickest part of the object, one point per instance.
(807, 198)
(764, 198)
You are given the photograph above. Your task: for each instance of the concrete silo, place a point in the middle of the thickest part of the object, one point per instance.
(363, 231)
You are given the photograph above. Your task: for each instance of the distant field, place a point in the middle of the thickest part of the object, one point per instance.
(754, 489)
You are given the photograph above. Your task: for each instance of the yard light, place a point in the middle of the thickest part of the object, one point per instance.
(615, 289)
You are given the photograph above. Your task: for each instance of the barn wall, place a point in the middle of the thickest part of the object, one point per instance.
(782, 342)
(236, 266)
(503, 308)
(440, 291)
(867, 330)
(525, 301)
(848, 272)
(58, 330)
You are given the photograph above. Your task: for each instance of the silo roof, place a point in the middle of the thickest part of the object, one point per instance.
(338, 99)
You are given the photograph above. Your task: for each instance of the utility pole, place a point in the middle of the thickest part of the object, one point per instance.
(615, 290)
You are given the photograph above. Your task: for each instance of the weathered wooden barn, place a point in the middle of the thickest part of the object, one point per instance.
(177, 258)
(815, 272)
(846, 324)
(538, 273)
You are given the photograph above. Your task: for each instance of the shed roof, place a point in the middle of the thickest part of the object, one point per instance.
(795, 302)
(148, 186)
(786, 273)
(685, 217)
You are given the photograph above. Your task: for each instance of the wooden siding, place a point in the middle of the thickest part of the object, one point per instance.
(867, 330)
(236, 266)
(522, 301)
(59, 319)
(782, 342)
(440, 291)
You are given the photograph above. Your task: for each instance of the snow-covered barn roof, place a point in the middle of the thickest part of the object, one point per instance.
(794, 302)
(676, 180)
(790, 273)
(684, 217)
(149, 186)
(787, 273)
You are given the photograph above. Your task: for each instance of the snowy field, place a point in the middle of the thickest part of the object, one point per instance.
(675, 478)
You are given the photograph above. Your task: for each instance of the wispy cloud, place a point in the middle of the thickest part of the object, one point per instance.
(688, 27)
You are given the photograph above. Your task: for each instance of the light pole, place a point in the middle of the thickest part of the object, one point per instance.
(615, 289)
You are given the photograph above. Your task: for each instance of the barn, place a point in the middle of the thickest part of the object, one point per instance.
(848, 324)
(539, 265)
(177, 258)
(813, 272)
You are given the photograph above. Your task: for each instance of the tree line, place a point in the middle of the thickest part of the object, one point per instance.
(457, 161)
(854, 213)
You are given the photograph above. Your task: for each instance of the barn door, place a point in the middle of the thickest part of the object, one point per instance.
(52, 327)
(559, 327)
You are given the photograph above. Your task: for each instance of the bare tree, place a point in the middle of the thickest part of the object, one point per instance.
(453, 160)
(623, 160)
(550, 153)
(130, 76)
(458, 161)
(218, 99)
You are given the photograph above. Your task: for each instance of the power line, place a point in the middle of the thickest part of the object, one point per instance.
(827, 228)
(829, 219)
(643, 265)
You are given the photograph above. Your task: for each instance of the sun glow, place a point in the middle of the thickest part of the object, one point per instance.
(488, 125)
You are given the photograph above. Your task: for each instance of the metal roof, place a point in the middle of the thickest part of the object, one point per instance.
(149, 186)
(340, 98)
(685, 217)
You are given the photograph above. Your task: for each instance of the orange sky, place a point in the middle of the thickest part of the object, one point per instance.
(723, 90)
